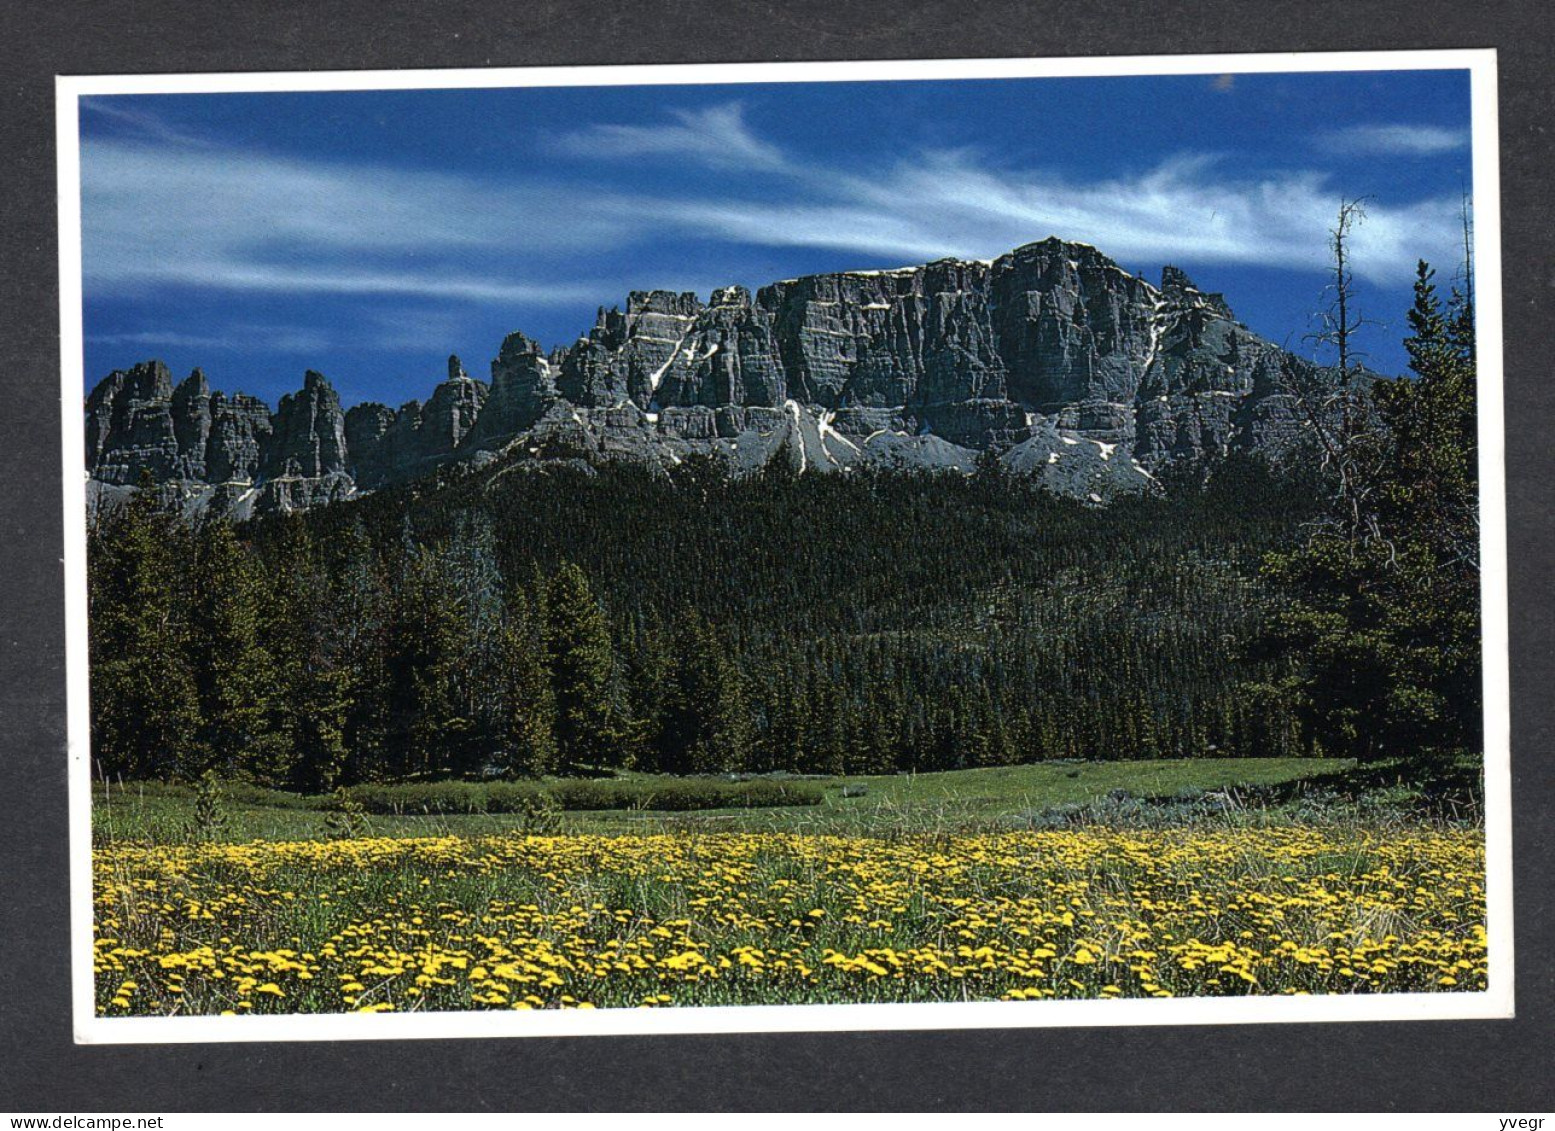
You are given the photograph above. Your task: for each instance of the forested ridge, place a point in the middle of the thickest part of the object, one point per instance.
(515, 620)
(556, 620)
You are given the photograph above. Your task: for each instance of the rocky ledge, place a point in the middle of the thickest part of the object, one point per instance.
(1052, 358)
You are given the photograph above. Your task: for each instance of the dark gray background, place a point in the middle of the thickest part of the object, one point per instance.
(1504, 1066)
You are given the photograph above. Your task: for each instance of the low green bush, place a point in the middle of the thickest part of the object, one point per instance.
(661, 794)
(683, 794)
(443, 798)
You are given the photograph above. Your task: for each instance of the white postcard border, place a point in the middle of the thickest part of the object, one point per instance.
(1494, 1002)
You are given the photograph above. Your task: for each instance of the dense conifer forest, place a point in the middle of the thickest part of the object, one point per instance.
(570, 620)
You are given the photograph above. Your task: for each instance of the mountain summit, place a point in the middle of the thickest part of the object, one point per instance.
(1053, 358)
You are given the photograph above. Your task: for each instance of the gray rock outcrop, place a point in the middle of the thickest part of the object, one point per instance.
(309, 438)
(1066, 367)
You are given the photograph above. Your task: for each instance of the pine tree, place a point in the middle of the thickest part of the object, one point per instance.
(825, 749)
(441, 727)
(705, 722)
(144, 704)
(1430, 524)
(580, 660)
(648, 672)
(233, 673)
(1383, 617)
(308, 711)
(1434, 483)
(527, 738)
(783, 743)
(473, 589)
(361, 607)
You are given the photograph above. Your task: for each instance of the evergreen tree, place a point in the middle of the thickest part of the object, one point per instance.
(440, 726)
(144, 704)
(1383, 615)
(308, 710)
(1429, 518)
(478, 654)
(704, 725)
(361, 607)
(527, 739)
(233, 673)
(647, 669)
(580, 660)
(783, 744)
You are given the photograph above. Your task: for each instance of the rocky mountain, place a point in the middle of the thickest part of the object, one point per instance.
(1052, 358)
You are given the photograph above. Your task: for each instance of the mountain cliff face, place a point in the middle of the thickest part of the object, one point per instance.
(1053, 358)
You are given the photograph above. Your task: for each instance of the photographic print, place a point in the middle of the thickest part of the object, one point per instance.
(791, 546)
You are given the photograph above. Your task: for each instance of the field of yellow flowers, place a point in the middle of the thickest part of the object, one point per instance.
(528, 922)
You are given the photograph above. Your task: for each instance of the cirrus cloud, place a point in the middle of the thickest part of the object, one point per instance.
(1396, 140)
(718, 136)
(161, 213)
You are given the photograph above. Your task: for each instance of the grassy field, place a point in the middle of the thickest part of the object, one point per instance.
(1045, 881)
(1003, 796)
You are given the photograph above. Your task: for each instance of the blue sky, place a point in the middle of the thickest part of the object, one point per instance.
(371, 234)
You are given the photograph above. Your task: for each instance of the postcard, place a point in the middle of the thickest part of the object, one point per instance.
(787, 546)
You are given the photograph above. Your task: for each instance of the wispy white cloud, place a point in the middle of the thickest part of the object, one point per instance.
(1398, 140)
(308, 278)
(159, 213)
(966, 203)
(272, 339)
(955, 203)
(160, 338)
(255, 222)
(717, 136)
(142, 123)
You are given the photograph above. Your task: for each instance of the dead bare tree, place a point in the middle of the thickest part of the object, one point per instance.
(1339, 321)
(1326, 397)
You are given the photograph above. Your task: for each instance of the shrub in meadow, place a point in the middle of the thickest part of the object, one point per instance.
(209, 818)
